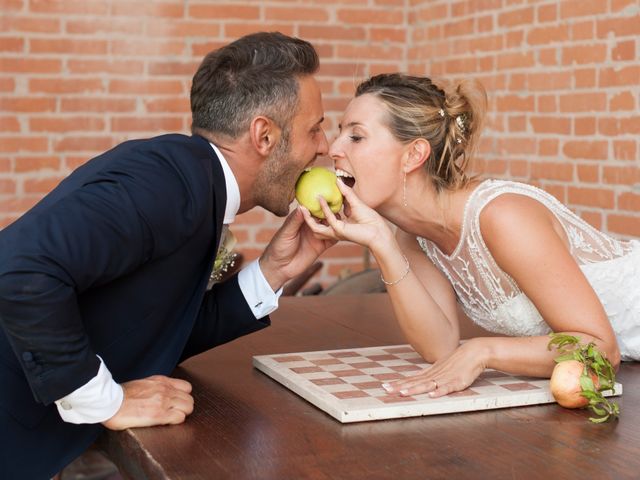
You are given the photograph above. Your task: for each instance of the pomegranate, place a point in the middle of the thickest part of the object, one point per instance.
(565, 384)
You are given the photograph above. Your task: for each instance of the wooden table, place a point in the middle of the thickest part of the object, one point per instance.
(247, 426)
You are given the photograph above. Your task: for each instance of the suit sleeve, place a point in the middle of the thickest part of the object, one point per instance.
(224, 316)
(108, 227)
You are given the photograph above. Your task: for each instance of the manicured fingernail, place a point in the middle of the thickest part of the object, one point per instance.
(387, 387)
(404, 392)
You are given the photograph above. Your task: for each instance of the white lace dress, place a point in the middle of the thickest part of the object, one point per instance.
(491, 298)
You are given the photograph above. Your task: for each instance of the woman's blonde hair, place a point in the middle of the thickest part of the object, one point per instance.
(449, 119)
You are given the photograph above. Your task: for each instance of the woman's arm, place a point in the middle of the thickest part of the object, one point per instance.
(422, 299)
(527, 243)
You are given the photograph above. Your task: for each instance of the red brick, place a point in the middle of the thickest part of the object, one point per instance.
(548, 147)
(110, 25)
(147, 47)
(8, 186)
(9, 124)
(621, 175)
(182, 69)
(624, 51)
(146, 87)
(549, 81)
(30, 65)
(516, 103)
(584, 125)
(79, 7)
(77, 143)
(588, 173)
(235, 30)
(387, 34)
(182, 28)
(619, 126)
(618, 26)
(581, 8)
(29, 24)
(146, 124)
(592, 218)
(548, 34)
(629, 201)
(625, 150)
(296, 14)
(552, 171)
(7, 84)
(33, 164)
(592, 197)
(585, 78)
(369, 16)
(65, 124)
(583, 102)
(23, 144)
(66, 85)
(515, 60)
(223, 11)
(122, 67)
(97, 105)
(624, 224)
(377, 52)
(456, 28)
(70, 46)
(581, 31)
(332, 33)
(15, 45)
(578, 55)
(551, 125)
(514, 18)
(27, 104)
(594, 150)
(616, 77)
(147, 9)
(547, 13)
(622, 101)
(168, 105)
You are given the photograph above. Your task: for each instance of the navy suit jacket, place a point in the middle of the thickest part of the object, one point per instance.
(113, 262)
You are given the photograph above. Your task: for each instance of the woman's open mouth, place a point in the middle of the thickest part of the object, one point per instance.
(345, 177)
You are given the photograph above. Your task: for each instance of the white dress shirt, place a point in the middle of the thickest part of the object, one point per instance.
(100, 399)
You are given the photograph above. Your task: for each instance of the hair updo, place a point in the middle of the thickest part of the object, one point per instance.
(450, 120)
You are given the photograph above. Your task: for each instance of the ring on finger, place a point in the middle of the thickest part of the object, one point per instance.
(435, 384)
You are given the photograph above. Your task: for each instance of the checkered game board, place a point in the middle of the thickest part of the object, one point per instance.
(347, 384)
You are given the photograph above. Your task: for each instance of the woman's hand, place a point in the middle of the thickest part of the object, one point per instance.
(450, 374)
(359, 223)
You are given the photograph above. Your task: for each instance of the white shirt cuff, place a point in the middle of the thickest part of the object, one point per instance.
(96, 401)
(256, 290)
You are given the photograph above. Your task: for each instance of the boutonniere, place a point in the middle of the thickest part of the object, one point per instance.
(225, 258)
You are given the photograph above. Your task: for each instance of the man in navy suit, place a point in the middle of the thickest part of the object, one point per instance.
(103, 284)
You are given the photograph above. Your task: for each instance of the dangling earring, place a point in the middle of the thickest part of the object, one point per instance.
(404, 190)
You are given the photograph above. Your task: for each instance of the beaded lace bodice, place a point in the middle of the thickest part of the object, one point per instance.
(488, 295)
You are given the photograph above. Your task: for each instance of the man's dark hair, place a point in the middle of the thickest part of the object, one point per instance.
(254, 75)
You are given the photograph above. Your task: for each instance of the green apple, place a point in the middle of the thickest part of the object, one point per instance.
(318, 181)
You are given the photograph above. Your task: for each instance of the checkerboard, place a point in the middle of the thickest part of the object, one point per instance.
(347, 384)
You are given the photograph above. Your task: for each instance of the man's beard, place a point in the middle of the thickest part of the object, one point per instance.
(276, 180)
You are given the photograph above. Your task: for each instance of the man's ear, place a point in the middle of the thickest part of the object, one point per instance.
(417, 154)
(265, 134)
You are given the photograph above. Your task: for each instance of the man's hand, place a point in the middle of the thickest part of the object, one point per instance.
(291, 250)
(156, 400)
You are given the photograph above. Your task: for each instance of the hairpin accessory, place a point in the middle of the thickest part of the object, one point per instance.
(441, 112)
(460, 121)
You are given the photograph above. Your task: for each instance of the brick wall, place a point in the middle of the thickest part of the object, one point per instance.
(79, 76)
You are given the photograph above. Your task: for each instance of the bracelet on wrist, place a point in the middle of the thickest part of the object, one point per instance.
(402, 277)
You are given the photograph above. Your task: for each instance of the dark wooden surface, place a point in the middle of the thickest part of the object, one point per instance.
(247, 426)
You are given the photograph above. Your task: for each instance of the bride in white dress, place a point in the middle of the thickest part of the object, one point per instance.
(516, 260)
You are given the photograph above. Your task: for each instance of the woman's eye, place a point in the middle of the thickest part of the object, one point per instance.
(355, 138)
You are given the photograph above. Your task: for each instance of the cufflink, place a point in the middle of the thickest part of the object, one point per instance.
(65, 405)
(257, 305)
